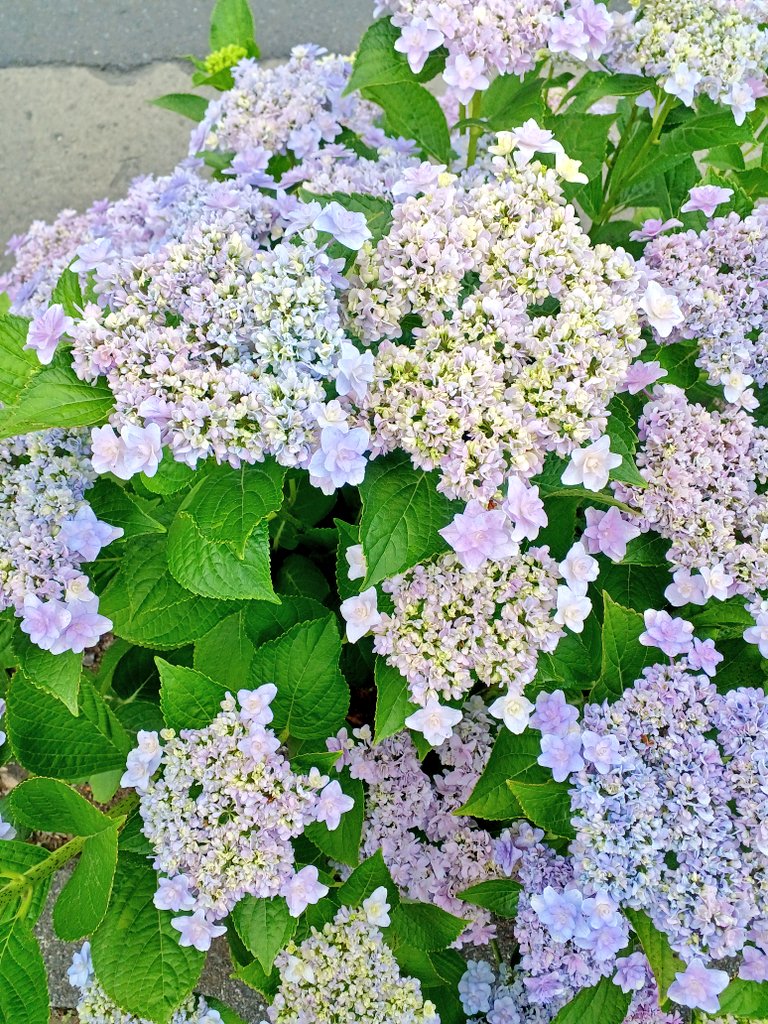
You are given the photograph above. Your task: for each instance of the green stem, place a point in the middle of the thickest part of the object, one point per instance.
(495, 949)
(21, 887)
(474, 130)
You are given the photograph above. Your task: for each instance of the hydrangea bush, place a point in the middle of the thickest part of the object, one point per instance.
(384, 535)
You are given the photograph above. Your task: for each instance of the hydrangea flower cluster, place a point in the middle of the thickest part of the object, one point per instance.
(346, 974)
(715, 48)
(452, 628)
(294, 107)
(223, 348)
(94, 1006)
(220, 806)
(431, 853)
(496, 36)
(685, 776)
(702, 470)
(525, 331)
(719, 278)
(47, 531)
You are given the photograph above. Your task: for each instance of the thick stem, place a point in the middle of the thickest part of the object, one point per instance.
(21, 886)
(474, 130)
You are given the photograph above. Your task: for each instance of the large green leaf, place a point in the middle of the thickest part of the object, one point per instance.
(116, 505)
(603, 1003)
(136, 952)
(377, 62)
(17, 365)
(392, 701)
(184, 103)
(342, 844)
(24, 988)
(48, 740)
(664, 963)
(414, 113)
(225, 654)
(51, 806)
(623, 434)
(546, 804)
(624, 657)
(16, 858)
(402, 513)
(365, 879)
(423, 926)
(265, 927)
(312, 696)
(149, 607)
(55, 397)
(83, 901)
(232, 25)
(497, 894)
(509, 101)
(512, 758)
(57, 674)
(212, 569)
(189, 699)
(747, 1000)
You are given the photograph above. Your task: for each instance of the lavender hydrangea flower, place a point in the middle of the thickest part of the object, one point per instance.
(478, 534)
(46, 330)
(346, 226)
(562, 754)
(340, 460)
(706, 198)
(591, 466)
(698, 987)
(671, 635)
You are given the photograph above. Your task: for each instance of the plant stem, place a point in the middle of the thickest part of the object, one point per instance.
(21, 887)
(474, 130)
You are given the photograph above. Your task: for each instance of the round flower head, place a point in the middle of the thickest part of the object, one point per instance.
(346, 974)
(220, 806)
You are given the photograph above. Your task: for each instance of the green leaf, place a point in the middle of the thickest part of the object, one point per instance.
(499, 895)
(402, 513)
(508, 101)
(18, 857)
(147, 605)
(603, 1003)
(647, 549)
(392, 701)
(595, 85)
(424, 926)
(513, 757)
(227, 503)
(747, 1000)
(547, 804)
(365, 879)
(414, 113)
(51, 806)
(171, 476)
(723, 620)
(254, 975)
(377, 62)
(343, 843)
(115, 505)
(57, 674)
(624, 658)
(189, 699)
(136, 952)
(227, 1015)
(265, 927)
(576, 660)
(232, 25)
(18, 365)
(377, 212)
(184, 103)
(623, 434)
(679, 360)
(212, 569)
(664, 963)
(226, 653)
(68, 294)
(635, 586)
(265, 622)
(83, 901)
(298, 576)
(48, 740)
(55, 397)
(312, 696)
(349, 536)
(24, 989)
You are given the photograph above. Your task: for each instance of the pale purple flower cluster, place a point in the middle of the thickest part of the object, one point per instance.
(714, 48)
(676, 824)
(720, 278)
(346, 973)
(295, 107)
(702, 470)
(431, 853)
(220, 806)
(336, 168)
(94, 1006)
(527, 330)
(452, 628)
(47, 531)
(494, 37)
(223, 348)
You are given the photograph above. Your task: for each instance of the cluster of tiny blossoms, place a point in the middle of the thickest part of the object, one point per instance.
(94, 1006)
(224, 348)
(346, 974)
(522, 330)
(47, 530)
(431, 853)
(702, 469)
(720, 279)
(494, 36)
(294, 107)
(673, 820)
(717, 48)
(221, 814)
(452, 628)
